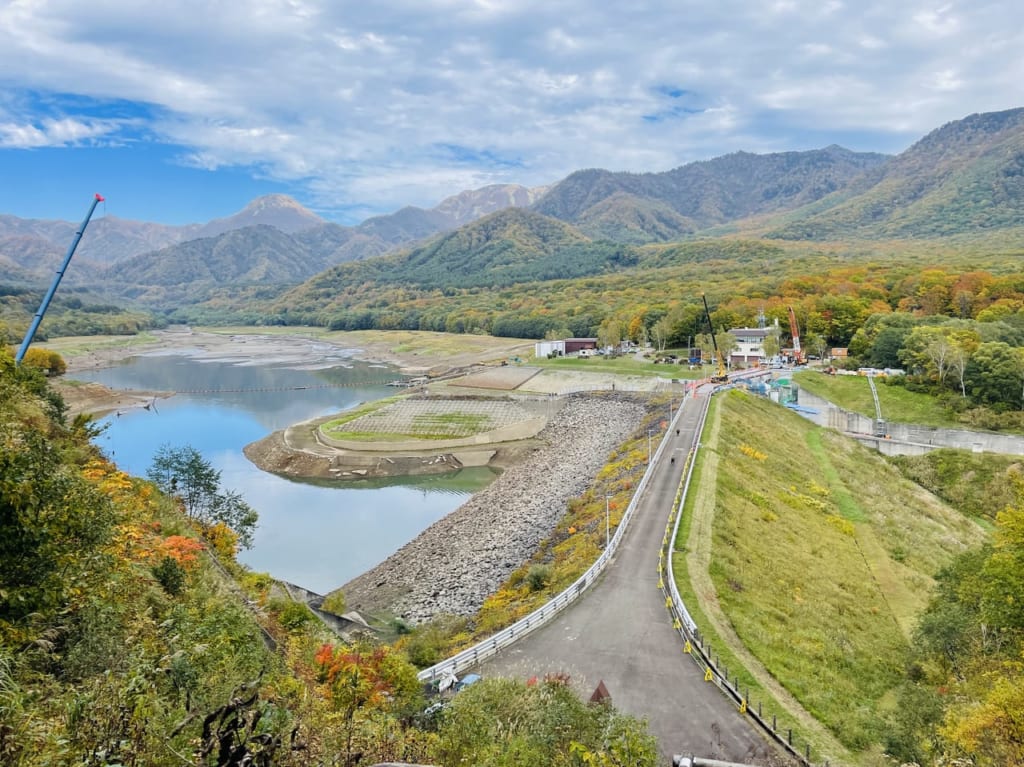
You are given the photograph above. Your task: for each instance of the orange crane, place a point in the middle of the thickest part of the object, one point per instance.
(798, 355)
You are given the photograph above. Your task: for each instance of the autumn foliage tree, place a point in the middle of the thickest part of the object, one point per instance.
(964, 697)
(362, 680)
(182, 472)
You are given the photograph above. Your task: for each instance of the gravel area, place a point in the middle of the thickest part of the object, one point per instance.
(456, 563)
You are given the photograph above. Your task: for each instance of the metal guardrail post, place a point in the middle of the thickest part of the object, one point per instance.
(700, 651)
(546, 612)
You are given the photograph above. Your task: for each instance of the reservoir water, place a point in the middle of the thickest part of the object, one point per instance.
(317, 535)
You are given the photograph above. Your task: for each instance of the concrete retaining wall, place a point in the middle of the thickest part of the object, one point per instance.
(915, 440)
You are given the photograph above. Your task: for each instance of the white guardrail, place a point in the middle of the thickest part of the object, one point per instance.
(485, 649)
(694, 644)
(683, 623)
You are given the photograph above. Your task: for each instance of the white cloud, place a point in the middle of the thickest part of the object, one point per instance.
(354, 100)
(938, 22)
(54, 132)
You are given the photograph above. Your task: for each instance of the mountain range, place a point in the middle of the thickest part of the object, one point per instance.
(964, 177)
(32, 248)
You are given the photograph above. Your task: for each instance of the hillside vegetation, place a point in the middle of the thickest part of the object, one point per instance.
(980, 485)
(967, 175)
(702, 194)
(116, 636)
(71, 313)
(127, 638)
(821, 558)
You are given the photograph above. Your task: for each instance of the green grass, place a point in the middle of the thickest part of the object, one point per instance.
(72, 346)
(439, 426)
(720, 650)
(450, 425)
(898, 404)
(976, 484)
(821, 557)
(625, 365)
(336, 424)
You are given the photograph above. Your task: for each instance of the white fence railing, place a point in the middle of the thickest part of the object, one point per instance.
(485, 649)
(695, 644)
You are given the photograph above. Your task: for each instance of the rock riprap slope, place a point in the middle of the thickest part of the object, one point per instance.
(453, 565)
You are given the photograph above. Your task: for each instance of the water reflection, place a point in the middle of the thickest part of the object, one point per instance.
(317, 534)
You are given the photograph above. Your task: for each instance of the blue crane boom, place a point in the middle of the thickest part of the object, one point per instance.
(31, 332)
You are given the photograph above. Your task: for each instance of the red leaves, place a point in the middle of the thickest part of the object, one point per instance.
(181, 549)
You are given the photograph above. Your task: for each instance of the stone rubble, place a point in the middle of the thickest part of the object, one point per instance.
(453, 565)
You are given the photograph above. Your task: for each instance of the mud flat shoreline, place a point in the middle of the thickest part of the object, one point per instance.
(249, 347)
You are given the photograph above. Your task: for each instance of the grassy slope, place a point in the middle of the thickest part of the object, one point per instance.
(898, 404)
(820, 557)
(975, 483)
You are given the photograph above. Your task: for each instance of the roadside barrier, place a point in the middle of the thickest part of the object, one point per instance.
(694, 644)
(485, 649)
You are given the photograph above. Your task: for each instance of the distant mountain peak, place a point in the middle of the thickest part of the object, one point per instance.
(277, 210)
(274, 201)
(472, 204)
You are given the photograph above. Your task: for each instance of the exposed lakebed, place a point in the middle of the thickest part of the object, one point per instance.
(317, 535)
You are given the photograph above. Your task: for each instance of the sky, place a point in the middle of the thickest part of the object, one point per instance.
(185, 110)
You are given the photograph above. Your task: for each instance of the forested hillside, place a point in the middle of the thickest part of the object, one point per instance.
(73, 312)
(965, 177)
(117, 639)
(129, 635)
(702, 194)
(833, 291)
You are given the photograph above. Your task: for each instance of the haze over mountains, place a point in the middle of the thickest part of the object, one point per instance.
(964, 177)
(33, 244)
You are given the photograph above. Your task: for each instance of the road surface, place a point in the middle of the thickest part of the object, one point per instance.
(620, 633)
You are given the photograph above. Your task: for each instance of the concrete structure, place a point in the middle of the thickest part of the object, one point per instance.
(749, 351)
(907, 439)
(563, 346)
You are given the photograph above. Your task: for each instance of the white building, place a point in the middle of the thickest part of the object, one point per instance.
(563, 346)
(749, 351)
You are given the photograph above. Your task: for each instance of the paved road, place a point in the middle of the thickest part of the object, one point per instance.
(620, 632)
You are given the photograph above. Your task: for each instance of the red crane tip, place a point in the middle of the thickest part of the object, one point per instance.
(100, 197)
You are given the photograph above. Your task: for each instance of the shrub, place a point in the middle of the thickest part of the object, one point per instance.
(334, 603)
(538, 577)
(429, 642)
(170, 575)
(291, 615)
(49, 362)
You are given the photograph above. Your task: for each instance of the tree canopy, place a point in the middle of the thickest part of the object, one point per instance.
(183, 473)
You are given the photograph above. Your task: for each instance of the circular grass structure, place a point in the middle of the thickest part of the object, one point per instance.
(432, 421)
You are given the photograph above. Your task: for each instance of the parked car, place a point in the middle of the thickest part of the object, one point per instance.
(466, 681)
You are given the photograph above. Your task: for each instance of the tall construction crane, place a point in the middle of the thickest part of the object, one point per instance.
(31, 332)
(722, 376)
(798, 354)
